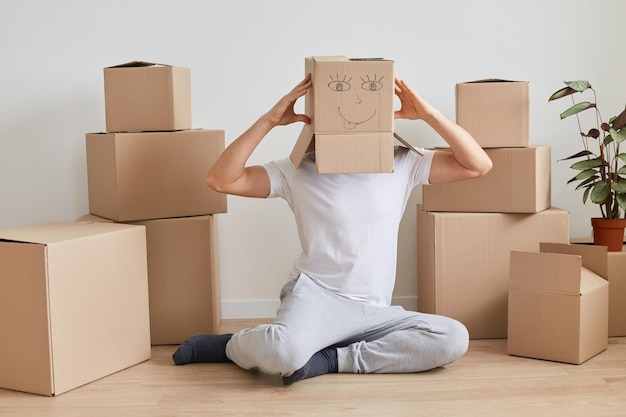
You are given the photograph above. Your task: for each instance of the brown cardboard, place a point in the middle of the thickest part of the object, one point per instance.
(609, 265)
(350, 95)
(73, 302)
(350, 105)
(495, 112)
(183, 277)
(151, 175)
(463, 262)
(558, 309)
(348, 154)
(519, 182)
(142, 96)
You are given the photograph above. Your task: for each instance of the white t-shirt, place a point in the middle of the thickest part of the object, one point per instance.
(348, 223)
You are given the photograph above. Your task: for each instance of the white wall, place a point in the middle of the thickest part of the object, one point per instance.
(243, 56)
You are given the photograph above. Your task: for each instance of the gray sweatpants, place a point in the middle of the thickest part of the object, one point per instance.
(369, 338)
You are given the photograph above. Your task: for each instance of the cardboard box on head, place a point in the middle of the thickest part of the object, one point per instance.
(350, 105)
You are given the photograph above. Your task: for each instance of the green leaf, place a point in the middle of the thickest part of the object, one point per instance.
(622, 171)
(585, 174)
(577, 108)
(618, 135)
(621, 201)
(600, 192)
(620, 121)
(619, 186)
(587, 164)
(586, 195)
(588, 182)
(622, 156)
(579, 86)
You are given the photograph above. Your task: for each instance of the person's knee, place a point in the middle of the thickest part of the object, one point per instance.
(457, 340)
(285, 358)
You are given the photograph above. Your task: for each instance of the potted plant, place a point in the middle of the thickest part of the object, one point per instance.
(601, 171)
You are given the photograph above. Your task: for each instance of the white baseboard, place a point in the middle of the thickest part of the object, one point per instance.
(249, 309)
(261, 309)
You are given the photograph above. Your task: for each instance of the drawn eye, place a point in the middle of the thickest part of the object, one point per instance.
(371, 84)
(339, 85)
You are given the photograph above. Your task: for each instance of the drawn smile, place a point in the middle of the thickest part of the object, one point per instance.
(349, 124)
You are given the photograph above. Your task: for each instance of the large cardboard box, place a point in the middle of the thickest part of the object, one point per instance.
(183, 276)
(463, 262)
(152, 175)
(142, 96)
(610, 266)
(350, 105)
(73, 304)
(519, 182)
(495, 112)
(558, 309)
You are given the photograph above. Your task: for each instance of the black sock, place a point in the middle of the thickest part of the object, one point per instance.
(205, 348)
(323, 362)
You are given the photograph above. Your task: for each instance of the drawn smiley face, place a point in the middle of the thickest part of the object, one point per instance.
(355, 104)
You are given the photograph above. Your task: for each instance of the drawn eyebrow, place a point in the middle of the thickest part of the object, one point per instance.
(344, 78)
(375, 78)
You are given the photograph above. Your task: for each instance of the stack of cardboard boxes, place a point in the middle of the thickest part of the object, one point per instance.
(149, 169)
(467, 229)
(82, 300)
(494, 254)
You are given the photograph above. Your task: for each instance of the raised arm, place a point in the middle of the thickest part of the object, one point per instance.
(229, 174)
(466, 159)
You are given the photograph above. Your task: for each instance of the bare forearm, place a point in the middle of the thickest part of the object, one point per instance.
(230, 174)
(464, 147)
(231, 164)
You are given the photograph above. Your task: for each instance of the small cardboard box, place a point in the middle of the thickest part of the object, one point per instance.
(463, 262)
(142, 96)
(558, 309)
(519, 182)
(350, 105)
(183, 277)
(609, 265)
(73, 302)
(495, 112)
(153, 175)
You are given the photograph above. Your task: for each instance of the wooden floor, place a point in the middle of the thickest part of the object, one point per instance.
(485, 382)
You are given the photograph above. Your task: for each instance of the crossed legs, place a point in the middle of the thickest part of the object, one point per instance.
(362, 338)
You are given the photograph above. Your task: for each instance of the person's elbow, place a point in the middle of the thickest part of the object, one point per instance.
(483, 167)
(478, 168)
(214, 183)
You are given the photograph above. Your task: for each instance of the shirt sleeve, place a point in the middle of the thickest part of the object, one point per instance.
(418, 166)
(279, 173)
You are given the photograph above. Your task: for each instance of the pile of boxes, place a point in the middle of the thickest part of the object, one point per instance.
(82, 300)
(469, 230)
(148, 169)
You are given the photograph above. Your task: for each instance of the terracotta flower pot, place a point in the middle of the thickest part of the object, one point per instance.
(609, 233)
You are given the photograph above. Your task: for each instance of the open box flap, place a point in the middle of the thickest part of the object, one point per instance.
(545, 272)
(133, 64)
(304, 145)
(594, 256)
